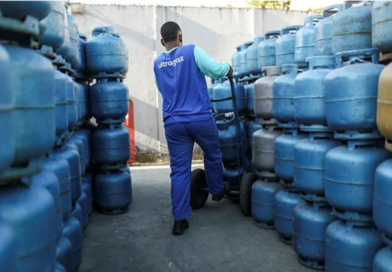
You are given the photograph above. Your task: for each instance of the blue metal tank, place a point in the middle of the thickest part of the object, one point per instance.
(323, 32)
(235, 61)
(109, 101)
(253, 57)
(89, 179)
(82, 103)
(349, 178)
(74, 233)
(284, 154)
(283, 96)
(86, 187)
(382, 204)
(106, 54)
(82, 201)
(34, 100)
(61, 102)
(31, 213)
(85, 135)
(228, 142)
(223, 90)
(63, 51)
(71, 154)
(72, 103)
(309, 165)
(73, 56)
(266, 49)
(352, 29)
(285, 45)
(309, 97)
(351, 247)
(7, 143)
(310, 222)
(251, 126)
(249, 93)
(383, 260)
(243, 59)
(286, 201)
(304, 40)
(64, 254)
(8, 248)
(48, 180)
(103, 30)
(19, 10)
(54, 27)
(77, 212)
(61, 169)
(382, 26)
(263, 202)
(77, 143)
(351, 95)
(81, 67)
(262, 97)
(214, 83)
(113, 192)
(111, 145)
(233, 174)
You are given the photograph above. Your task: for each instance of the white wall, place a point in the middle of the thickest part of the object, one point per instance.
(216, 30)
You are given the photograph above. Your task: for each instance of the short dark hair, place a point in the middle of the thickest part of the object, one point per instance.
(169, 31)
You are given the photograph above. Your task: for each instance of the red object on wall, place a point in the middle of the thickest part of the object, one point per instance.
(129, 123)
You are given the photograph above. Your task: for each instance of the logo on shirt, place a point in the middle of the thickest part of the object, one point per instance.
(170, 63)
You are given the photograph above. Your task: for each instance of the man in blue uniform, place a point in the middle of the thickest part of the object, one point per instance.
(180, 77)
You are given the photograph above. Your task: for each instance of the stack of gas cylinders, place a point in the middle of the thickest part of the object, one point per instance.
(324, 177)
(46, 178)
(107, 63)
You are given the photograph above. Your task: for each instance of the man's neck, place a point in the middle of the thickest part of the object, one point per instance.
(171, 46)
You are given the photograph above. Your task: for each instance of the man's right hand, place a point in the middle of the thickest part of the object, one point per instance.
(230, 73)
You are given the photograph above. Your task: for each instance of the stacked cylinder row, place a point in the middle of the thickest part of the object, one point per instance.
(47, 167)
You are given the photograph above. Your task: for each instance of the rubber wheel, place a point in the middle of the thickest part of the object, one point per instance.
(198, 195)
(245, 197)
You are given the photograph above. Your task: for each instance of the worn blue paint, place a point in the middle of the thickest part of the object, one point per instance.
(253, 57)
(285, 45)
(266, 49)
(382, 26)
(54, 25)
(304, 40)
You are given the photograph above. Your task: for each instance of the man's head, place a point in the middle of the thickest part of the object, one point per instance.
(171, 35)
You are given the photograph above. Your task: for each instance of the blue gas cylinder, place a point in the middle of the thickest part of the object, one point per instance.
(78, 145)
(89, 179)
(285, 45)
(233, 174)
(253, 57)
(351, 247)
(103, 30)
(73, 56)
(31, 213)
(106, 54)
(61, 102)
(214, 83)
(223, 90)
(34, 100)
(61, 169)
(309, 165)
(309, 97)
(89, 200)
(66, 46)
(266, 49)
(74, 233)
(81, 67)
(82, 101)
(111, 145)
(7, 142)
(228, 140)
(72, 108)
(113, 192)
(109, 101)
(349, 178)
(235, 61)
(71, 154)
(64, 254)
(310, 222)
(48, 180)
(243, 59)
(77, 97)
(382, 26)
(8, 248)
(251, 126)
(286, 201)
(323, 32)
(352, 29)
(304, 40)
(283, 96)
(351, 95)
(54, 26)
(77, 213)
(284, 154)
(263, 202)
(249, 93)
(85, 135)
(82, 201)
(382, 205)
(383, 260)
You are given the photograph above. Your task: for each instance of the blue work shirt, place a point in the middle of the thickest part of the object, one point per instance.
(180, 78)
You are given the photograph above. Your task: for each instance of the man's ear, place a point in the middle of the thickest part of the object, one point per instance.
(180, 38)
(163, 42)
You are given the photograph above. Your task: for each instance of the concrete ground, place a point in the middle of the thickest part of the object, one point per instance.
(220, 238)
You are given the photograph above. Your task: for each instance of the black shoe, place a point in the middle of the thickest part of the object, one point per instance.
(180, 226)
(219, 197)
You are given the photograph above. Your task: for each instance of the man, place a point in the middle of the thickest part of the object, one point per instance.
(180, 77)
